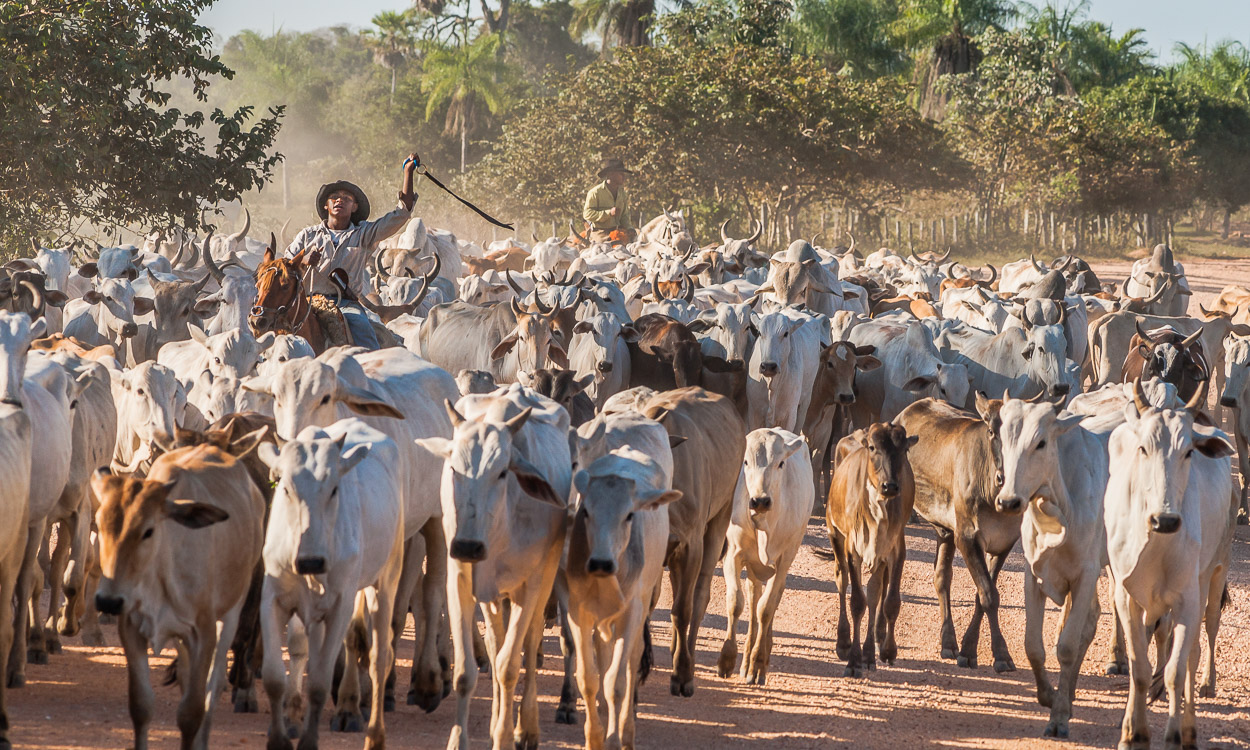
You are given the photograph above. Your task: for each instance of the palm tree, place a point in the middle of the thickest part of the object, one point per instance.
(626, 21)
(392, 40)
(852, 33)
(466, 79)
(1223, 71)
(940, 33)
(1088, 53)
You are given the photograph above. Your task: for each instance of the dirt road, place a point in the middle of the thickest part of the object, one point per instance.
(79, 699)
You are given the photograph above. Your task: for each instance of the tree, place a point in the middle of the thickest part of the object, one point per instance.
(1222, 71)
(1088, 54)
(392, 41)
(941, 33)
(87, 131)
(628, 22)
(466, 79)
(853, 34)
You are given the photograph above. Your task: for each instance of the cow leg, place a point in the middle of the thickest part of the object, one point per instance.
(1211, 618)
(347, 716)
(428, 687)
(877, 583)
(273, 672)
(74, 578)
(1134, 730)
(765, 613)
(244, 644)
(754, 591)
(683, 577)
(89, 616)
(893, 603)
(631, 649)
(8, 584)
(713, 542)
(566, 711)
(58, 563)
(1070, 648)
(1179, 676)
(218, 650)
(1034, 643)
(508, 667)
(854, 659)
(731, 568)
(537, 594)
(460, 614)
(325, 639)
(199, 663)
(380, 606)
(617, 682)
(1117, 659)
(21, 618)
(842, 645)
(493, 613)
(138, 680)
(297, 650)
(942, 564)
(986, 580)
(409, 579)
(588, 680)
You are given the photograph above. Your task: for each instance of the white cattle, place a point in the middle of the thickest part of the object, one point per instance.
(15, 462)
(1055, 465)
(911, 370)
(150, 403)
(285, 347)
(336, 528)
(1169, 514)
(726, 331)
(505, 487)
(1236, 395)
(774, 499)
(612, 571)
(1021, 362)
(600, 348)
(216, 396)
(106, 314)
(233, 354)
(783, 367)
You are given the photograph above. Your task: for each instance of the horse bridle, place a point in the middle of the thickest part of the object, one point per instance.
(283, 310)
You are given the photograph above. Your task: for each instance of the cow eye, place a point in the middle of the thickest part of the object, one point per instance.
(1189, 453)
(216, 360)
(503, 474)
(325, 399)
(629, 518)
(147, 534)
(1141, 449)
(139, 392)
(281, 359)
(1041, 445)
(781, 463)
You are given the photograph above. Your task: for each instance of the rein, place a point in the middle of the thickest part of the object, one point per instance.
(293, 307)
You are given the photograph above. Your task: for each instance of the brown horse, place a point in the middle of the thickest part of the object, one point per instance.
(282, 304)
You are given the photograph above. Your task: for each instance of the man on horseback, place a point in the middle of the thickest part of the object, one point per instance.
(346, 240)
(607, 205)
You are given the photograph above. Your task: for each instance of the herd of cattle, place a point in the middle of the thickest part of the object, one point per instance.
(548, 427)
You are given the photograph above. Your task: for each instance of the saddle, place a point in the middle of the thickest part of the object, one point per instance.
(333, 326)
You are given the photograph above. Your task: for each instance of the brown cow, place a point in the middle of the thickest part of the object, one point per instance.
(834, 387)
(919, 304)
(61, 342)
(664, 354)
(509, 259)
(870, 501)
(957, 463)
(184, 580)
(1169, 356)
(706, 469)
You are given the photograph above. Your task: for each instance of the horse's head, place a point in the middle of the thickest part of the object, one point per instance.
(280, 292)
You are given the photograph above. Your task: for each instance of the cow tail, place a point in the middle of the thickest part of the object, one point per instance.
(826, 554)
(644, 664)
(1225, 599)
(171, 673)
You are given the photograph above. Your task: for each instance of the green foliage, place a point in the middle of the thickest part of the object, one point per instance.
(1088, 54)
(852, 34)
(465, 80)
(89, 133)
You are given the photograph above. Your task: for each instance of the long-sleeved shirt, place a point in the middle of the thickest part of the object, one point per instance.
(349, 249)
(599, 202)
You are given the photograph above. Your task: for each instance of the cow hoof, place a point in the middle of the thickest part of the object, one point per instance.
(278, 742)
(852, 671)
(965, 662)
(293, 732)
(54, 646)
(17, 681)
(726, 663)
(524, 741)
(842, 650)
(683, 689)
(107, 619)
(427, 701)
(347, 722)
(950, 654)
(1207, 690)
(1242, 517)
(1045, 696)
(246, 704)
(1056, 729)
(1004, 665)
(565, 715)
(483, 665)
(756, 678)
(93, 640)
(34, 656)
(1114, 668)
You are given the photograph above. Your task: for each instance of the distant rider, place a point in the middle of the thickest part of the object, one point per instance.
(607, 205)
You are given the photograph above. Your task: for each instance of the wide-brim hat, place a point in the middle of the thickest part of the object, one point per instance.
(362, 203)
(613, 165)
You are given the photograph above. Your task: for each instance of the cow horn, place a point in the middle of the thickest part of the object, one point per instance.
(1139, 397)
(536, 240)
(208, 259)
(943, 259)
(1200, 396)
(1145, 337)
(1063, 313)
(688, 285)
(814, 238)
(851, 249)
(538, 305)
(1210, 313)
(378, 269)
(575, 234)
(1065, 265)
(1124, 291)
(160, 237)
(1189, 340)
(520, 294)
(426, 281)
(247, 224)
(456, 418)
(1037, 266)
(1157, 295)
(993, 275)
(724, 238)
(34, 246)
(516, 307)
(915, 260)
(36, 295)
(759, 230)
(555, 309)
(282, 232)
(1054, 264)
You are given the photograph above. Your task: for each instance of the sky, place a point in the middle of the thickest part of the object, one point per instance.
(1165, 21)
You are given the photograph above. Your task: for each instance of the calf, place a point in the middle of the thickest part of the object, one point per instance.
(169, 581)
(665, 355)
(1170, 356)
(567, 390)
(1169, 531)
(336, 528)
(871, 497)
(957, 463)
(774, 499)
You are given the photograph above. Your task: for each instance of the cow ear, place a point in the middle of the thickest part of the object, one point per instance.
(439, 446)
(197, 333)
(258, 384)
(792, 445)
(1028, 352)
(654, 499)
(583, 326)
(132, 273)
(93, 297)
(363, 402)
(584, 382)
(38, 328)
(144, 305)
(697, 268)
(248, 443)
(268, 454)
(1210, 443)
(556, 354)
(629, 333)
(266, 340)
(918, 383)
(987, 408)
(848, 294)
(581, 481)
(1063, 424)
(88, 270)
(867, 364)
(55, 298)
(912, 440)
(676, 440)
(194, 515)
(503, 347)
(532, 482)
(352, 457)
(698, 325)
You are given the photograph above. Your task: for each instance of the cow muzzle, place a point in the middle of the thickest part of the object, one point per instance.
(310, 566)
(846, 398)
(769, 369)
(1009, 503)
(109, 605)
(604, 367)
(465, 550)
(129, 330)
(761, 504)
(1165, 523)
(1229, 401)
(1060, 389)
(889, 489)
(596, 566)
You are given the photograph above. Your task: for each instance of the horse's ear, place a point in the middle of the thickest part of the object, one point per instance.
(268, 257)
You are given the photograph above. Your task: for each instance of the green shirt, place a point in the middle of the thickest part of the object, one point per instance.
(599, 202)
